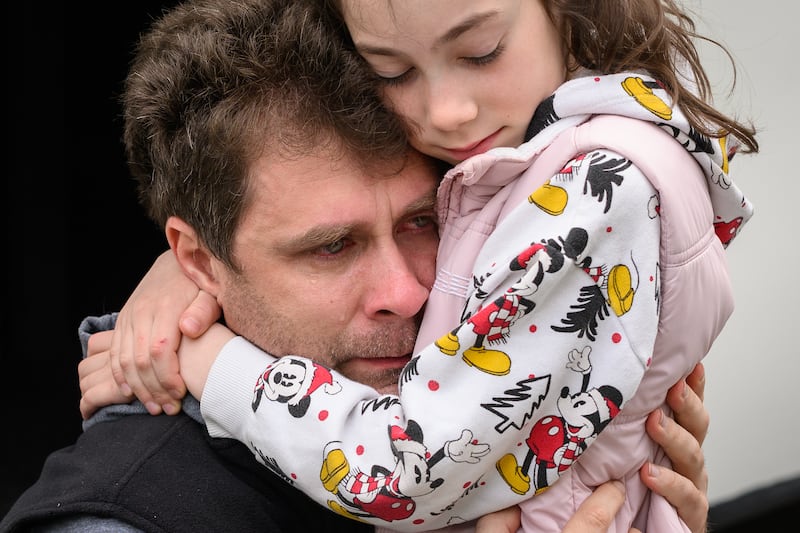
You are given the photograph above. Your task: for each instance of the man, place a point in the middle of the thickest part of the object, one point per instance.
(287, 192)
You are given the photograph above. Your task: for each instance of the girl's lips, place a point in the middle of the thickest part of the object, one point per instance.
(474, 149)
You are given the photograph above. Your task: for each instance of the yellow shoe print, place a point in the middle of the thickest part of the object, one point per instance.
(512, 474)
(620, 289)
(334, 468)
(492, 362)
(644, 95)
(338, 509)
(722, 145)
(550, 199)
(448, 344)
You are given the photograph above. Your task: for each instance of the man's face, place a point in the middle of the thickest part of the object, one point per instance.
(337, 265)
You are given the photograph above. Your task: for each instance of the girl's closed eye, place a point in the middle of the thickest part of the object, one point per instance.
(397, 79)
(487, 58)
(476, 61)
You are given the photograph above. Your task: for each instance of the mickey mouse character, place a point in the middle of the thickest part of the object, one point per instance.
(388, 492)
(555, 442)
(292, 381)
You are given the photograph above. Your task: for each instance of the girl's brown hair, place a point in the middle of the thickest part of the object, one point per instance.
(656, 36)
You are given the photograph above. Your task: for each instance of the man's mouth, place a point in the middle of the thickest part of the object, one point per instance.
(387, 362)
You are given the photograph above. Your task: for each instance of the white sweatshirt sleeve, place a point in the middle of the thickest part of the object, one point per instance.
(561, 324)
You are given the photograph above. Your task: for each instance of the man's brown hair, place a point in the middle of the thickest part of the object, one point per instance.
(216, 84)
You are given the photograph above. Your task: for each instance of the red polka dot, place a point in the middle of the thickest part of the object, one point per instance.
(359, 450)
(608, 229)
(294, 476)
(419, 521)
(323, 415)
(597, 79)
(531, 376)
(466, 485)
(649, 360)
(652, 278)
(616, 338)
(533, 328)
(433, 385)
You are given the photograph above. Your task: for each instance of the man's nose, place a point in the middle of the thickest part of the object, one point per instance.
(450, 104)
(398, 287)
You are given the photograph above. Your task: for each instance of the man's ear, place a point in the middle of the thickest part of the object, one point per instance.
(195, 259)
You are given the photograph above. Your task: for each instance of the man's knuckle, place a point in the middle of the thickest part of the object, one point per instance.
(697, 460)
(598, 518)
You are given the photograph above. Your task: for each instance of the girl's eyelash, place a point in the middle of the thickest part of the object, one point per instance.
(488, 58)
(475, 61)
(395, 80)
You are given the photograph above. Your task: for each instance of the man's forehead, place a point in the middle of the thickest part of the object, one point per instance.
(324, 195)
(331, 170)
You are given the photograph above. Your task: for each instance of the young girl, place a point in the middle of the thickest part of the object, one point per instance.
(581, 270)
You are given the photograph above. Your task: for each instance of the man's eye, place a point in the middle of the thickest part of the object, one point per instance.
(334, 247)
(423, 221)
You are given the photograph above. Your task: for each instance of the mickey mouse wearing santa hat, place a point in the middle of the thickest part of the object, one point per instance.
(555, 442)
(292, 381)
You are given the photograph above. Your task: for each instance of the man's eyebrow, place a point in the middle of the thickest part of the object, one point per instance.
(314, 237)
(324, 234)
(451, 35)
(424, 203)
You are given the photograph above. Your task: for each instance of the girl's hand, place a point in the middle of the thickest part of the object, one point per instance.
(197, 356)
(98, 387)
(143, 352)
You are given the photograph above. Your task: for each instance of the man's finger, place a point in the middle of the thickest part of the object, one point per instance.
(686, 400)
(597, 512)
(681, 447)
(688, 500)
(697, 381)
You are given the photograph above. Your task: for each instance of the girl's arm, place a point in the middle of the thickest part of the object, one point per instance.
(540, 329)
(165, 305)
(467, 400)
(685, 488)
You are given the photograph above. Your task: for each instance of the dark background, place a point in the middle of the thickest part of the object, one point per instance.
(78, 242)
(77, 239)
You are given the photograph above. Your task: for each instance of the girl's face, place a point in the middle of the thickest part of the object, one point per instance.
(466, 75)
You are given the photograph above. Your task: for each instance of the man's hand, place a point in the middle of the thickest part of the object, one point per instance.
(686, 488)
(594, 515)
(143, 351)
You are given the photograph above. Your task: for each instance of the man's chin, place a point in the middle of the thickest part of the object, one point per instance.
(388, 389)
